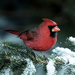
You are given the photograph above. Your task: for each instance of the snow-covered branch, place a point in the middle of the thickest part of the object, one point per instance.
(18, 59)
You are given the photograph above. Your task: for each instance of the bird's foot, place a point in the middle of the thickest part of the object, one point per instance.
(45, 58)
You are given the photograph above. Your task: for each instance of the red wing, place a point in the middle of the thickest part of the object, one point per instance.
(29, 34)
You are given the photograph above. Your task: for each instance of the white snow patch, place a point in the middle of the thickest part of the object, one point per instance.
(30, 68)
(51, 68)
(72, 39)
(60, 58)
(64, 54)
(7, 72)
(60, 51)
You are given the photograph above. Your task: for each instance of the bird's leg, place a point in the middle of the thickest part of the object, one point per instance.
(44, 55)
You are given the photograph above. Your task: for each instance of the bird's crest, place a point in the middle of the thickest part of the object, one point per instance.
(50, 22)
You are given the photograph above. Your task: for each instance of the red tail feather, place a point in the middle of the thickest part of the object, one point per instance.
(13, 32)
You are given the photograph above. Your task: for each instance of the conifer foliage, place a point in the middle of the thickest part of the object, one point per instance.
(17, 59)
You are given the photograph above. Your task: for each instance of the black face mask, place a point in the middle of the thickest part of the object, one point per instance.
(52, 34)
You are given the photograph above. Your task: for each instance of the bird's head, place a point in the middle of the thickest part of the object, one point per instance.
(49, 27)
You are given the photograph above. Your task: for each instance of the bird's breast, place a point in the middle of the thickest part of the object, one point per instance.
(41, 44)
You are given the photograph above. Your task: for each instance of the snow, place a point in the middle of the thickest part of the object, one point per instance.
(65, 54)
(68, 57)
(64, 59)
(30, 68)
(72, 39)
(51, 68)
(7, 72)
(60, 51)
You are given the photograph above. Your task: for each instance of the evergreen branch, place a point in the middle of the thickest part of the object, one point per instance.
(70, 44)
(20, 51)
(14, 55)
(38, 61)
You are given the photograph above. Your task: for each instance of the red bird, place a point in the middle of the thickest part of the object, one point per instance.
(40, 38)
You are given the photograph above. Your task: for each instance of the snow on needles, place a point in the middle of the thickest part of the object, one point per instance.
(67, 57)
(7, 72)
(30, 69)
(60, 51)
(72, 39)
(50, 68)
(64, 54)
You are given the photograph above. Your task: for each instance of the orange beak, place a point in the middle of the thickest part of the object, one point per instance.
(55, 29)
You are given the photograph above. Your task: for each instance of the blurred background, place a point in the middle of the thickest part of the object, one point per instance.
(25, 14)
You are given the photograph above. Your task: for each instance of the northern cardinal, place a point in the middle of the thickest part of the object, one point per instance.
(41, 38)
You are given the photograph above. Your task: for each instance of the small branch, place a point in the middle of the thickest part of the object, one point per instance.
(4, 45)
(59, 62)
(8, 58)
(38, 61)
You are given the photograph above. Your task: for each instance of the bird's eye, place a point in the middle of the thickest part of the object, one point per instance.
(50, 27)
